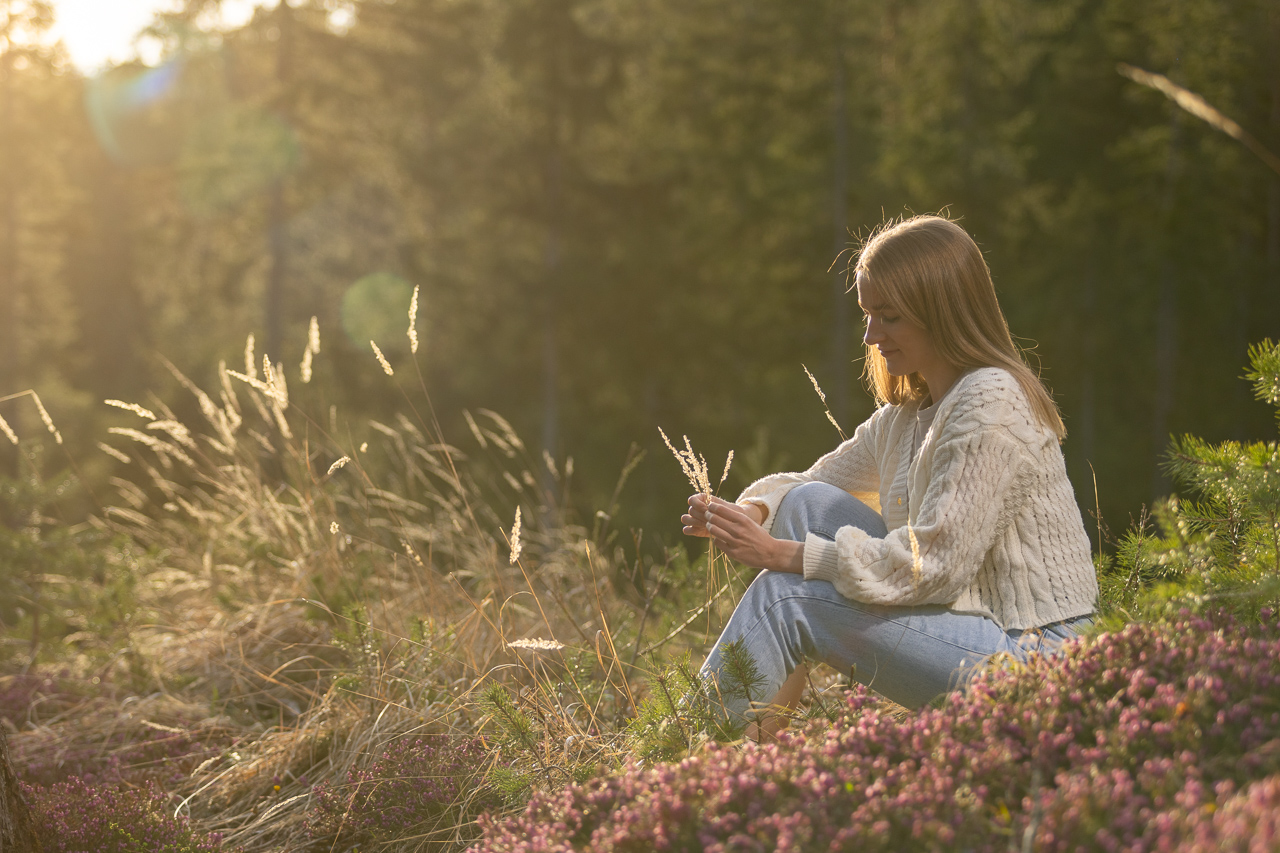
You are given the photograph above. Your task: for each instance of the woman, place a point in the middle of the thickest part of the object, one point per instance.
(978, 546)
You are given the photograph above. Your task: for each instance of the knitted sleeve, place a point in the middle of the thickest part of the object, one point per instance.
(978, 478)
(852, 466)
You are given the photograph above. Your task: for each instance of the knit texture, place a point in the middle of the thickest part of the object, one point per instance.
(983, 520)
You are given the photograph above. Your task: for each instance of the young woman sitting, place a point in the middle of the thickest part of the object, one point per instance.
(977, 547)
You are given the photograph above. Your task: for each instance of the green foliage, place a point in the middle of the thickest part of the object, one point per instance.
(1222, 549)
(639, 182)
(1264, 359)
(684, 713)
(57, 580)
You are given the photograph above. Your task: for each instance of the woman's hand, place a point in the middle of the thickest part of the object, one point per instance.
(737, 531)
(694, 520)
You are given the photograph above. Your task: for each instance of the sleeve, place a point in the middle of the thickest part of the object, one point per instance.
(852, 466)
(978, 479)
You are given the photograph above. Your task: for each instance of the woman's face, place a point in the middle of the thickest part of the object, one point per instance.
(905, 346)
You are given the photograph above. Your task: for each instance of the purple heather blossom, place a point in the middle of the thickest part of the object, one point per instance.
(1135, 740)
(76, 817)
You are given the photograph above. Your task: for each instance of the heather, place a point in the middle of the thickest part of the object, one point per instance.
(75, 817)
(1134, 740)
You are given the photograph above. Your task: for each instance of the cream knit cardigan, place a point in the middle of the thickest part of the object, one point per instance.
(983, 520)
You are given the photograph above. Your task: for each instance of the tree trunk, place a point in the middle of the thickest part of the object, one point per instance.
(277, 213)
(10, 375)
(1166, 354)
(840, 306)
(17, 829)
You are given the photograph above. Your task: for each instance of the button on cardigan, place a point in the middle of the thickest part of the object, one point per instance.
(982, 520)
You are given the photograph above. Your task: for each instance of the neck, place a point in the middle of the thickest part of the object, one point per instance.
(939, 378)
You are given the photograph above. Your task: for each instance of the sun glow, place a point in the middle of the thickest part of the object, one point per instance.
(97, 33)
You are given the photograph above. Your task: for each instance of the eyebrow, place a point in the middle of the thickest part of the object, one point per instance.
(880, 307)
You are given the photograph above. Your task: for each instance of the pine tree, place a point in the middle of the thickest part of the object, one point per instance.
(1220, 548)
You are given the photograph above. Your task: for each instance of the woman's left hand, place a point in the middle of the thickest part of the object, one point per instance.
(739, 535)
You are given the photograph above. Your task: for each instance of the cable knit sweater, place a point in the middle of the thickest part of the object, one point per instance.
(986, 500)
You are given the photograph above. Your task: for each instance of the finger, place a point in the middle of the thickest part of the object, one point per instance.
(731, 520)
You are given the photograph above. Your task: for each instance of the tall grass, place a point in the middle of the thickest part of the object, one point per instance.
(314, 599)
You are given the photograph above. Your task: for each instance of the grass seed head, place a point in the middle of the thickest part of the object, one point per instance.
(382, 359)
(250, 368)
(312, 350)
(113, 452)
(8, 431)
(413, 322)
(132, 407)
(516, 545)
(536, 644)
(44, 416)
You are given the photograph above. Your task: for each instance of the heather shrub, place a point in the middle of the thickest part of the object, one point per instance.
(418, 787)
(1246, 821)
(25, 694)
(1108, 747)
(76, 817)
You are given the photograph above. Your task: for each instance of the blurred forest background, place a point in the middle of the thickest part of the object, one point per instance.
(623, 215)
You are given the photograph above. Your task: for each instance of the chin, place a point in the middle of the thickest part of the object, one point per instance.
(895, 370)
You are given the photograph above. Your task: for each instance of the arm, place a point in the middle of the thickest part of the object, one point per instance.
(852, 466)
(977, 481)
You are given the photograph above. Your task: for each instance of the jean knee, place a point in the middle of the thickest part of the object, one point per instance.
(803, 508)
(822, 508)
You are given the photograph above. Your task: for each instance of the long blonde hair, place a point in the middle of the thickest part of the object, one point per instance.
(930, 271)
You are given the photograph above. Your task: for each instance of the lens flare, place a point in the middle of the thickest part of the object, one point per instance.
(130, 110)
(373, 310)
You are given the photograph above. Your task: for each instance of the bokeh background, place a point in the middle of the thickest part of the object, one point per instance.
(623, 214)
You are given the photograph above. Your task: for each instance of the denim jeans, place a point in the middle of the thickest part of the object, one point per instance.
(908, 654)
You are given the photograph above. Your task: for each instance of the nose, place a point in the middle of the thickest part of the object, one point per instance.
(874, 333)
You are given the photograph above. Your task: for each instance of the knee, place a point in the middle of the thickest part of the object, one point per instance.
(823, 509)
(802, 508)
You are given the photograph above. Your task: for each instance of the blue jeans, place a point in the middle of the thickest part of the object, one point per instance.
(908, 654)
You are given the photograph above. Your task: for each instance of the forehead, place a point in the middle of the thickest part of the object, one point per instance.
(869, 296)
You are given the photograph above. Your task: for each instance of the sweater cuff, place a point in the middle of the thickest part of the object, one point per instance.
(822, 556)
(821, 559)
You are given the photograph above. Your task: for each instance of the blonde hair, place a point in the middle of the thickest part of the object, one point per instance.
(931, 272)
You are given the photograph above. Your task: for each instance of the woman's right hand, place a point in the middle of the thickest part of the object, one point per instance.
(695, 519)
